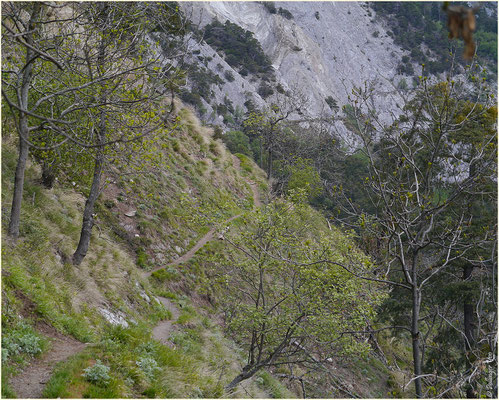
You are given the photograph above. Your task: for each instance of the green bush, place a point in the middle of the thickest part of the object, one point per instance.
(242, 50)
(149, 366)
(166, 274)
(97, 374)
(142, 259)
(237, 142)
(304, 176)
(229, 76)
(21, 339)
(265, 90)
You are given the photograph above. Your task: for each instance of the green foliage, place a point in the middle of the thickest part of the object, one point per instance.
(242, 50)
(414, 24)
(202, 79)
(149, 366)
(302, 175)
(166, 274)
(142, 258)
(273, 387)
(245, 163)
(265, 90)
(98, 374)
(306, 298)
(331, 102)
(237, 142)
(229, 76)
(21, 339)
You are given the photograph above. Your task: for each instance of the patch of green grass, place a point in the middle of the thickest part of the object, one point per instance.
(48, 299)
(142, 258)
(7, 391)
(167, 294)
(273, 387)
(166, 274)
(245, 162)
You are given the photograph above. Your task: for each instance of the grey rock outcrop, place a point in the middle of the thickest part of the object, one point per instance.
(325, 50)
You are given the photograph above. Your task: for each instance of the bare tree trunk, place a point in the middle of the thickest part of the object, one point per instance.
(88, 213)
(468, 329)
(15, 213)
(269, 166)
(416, 351)
(48, 176)
(247, 373)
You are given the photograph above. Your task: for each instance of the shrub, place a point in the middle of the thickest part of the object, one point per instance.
(285, 13)
(30, 344)
(217, 132)
(241, 49)
(265, 90)
(304, 176)
(270, 6)
(166, 274)
(331, 102)
(229, 76)
(142, 259)
(98, 374)
(317, 16)
(237, 142)
(22, 339)
(149, 366)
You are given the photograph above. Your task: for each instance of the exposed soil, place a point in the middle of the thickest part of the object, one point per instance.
(256, 194)
(163, 330)
(210, 235)
(30, 382)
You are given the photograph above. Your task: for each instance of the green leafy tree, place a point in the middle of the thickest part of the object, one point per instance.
(419, 190)
(126, 111)
(83, 91)
(302, 175)
(267, 126)
(237, 142)
(286, 294)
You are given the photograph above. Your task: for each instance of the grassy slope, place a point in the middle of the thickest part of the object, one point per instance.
(193, 187)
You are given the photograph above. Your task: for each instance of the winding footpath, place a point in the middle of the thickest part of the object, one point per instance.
(210, 235)
(30, 383)
(163, 329)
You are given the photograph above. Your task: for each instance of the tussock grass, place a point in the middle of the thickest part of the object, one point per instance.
(190, 187)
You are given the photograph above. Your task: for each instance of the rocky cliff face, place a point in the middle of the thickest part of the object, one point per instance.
(325, 50)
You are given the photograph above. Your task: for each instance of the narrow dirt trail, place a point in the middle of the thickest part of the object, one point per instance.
(209, 236)
(29, 384)
(254, 189)
(163, 330)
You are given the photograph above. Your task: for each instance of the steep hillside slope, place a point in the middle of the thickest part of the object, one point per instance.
(144, 221)
(138, 318)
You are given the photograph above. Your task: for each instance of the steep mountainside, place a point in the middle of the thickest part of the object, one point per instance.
(139, 317)
(323, 51)
(319, 51)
